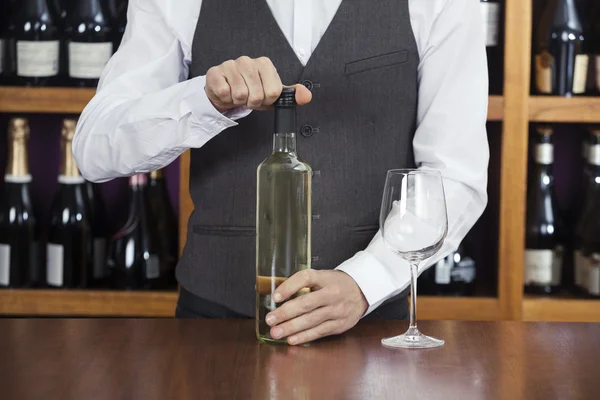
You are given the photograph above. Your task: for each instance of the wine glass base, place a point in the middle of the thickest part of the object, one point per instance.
(413, 339)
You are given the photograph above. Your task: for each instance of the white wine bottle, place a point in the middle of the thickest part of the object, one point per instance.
(283, 214)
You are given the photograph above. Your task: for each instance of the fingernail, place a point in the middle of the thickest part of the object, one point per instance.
(271, 319)
(277, 297)
(277, 332)
(293, 339)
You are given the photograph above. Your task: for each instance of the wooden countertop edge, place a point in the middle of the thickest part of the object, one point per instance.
(560, 310)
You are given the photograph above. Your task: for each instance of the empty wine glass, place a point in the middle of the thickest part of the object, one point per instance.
(414, 224)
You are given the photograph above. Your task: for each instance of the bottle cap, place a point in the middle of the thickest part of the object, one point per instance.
(18, 128)
(544, 130)
(287, 98)
(68, 129)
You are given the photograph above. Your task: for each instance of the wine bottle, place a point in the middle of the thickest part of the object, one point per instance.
(19, 263)
(33, 45)
(491, 11)
(134, 255)
(595, 50)
(455, 274)
(560, 62)
(587, 267)
(99, 231)
(283, 217)
(163, 221)
(121, 22)
(543, 243)
(5, 10)
(89, 39)
(69, 263)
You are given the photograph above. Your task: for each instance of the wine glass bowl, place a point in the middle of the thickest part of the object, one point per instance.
(414, 225)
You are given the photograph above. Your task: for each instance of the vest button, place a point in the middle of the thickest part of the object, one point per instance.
(308, 84)
(307, 131)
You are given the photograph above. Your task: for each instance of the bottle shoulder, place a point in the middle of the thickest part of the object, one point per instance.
(285, 161)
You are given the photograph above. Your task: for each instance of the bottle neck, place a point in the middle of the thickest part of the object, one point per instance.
(35, 8)
(17, 159)
(68, 168)
(284, 139)
(89, 9)
(565, 14)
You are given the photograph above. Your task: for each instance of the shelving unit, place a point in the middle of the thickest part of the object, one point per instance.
(515, 109)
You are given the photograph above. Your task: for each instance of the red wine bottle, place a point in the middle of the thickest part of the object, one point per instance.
(19, 262)
(99, 231)
(163, 221)
(560, 61)
(544, 244)
(134, 255)
(33, 45)
(492, 12)
(69, 263)
(587, 250)
(89, 41)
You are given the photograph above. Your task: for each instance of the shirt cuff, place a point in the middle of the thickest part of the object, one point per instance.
(206, 119)
(373, 278)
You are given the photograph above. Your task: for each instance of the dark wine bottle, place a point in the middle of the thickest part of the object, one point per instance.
(595, 50)
(543, 241)
(89, 41)
(560, 61)
(492, 11)
(134, 255)
(120, 22)
(69, 263)
(33, 45)
(19, 261)
(587, 253)
(99, 230)
(163, 221)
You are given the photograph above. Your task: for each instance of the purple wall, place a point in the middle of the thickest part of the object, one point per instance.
(44, 160)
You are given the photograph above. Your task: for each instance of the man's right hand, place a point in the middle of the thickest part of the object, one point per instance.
(246, 82)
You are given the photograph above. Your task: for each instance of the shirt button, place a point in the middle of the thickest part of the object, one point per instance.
(307, 131)
(301, 52)
(308, 84)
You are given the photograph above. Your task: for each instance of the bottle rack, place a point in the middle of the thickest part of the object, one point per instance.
(515, 109)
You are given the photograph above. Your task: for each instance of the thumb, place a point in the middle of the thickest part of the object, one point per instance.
(303, 95)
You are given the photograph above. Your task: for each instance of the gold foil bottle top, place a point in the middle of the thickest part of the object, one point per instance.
(158, 174)
(544, 130)
(68, 129)
(18, 128)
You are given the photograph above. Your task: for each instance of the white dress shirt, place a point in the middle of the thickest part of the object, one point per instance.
(146, 112)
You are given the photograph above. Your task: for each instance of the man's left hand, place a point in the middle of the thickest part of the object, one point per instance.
(334, 305)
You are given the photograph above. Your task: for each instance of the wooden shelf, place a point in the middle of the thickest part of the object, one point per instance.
(87, 303)
(560, 310)
(458, 308)
(44, 100)
(496, 108)
(561, 109)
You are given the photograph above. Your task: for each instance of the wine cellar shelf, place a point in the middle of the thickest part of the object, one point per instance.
(516, 109)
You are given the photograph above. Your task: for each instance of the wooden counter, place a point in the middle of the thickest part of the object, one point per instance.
(199, 359)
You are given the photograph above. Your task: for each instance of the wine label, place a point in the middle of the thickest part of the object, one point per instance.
(443, 272)
(17, 178)
(593, 274)
(54, 265)
(582, 61)
(544, 153)
(464, 271)
(37, 59)
(2, 45)
(491, 22)
(152, 267)
(594, 154)
(99, 258)
(87, 60)
(597, 73)
(543, 267)
(543, 72)
(4, 264)
(70, 180)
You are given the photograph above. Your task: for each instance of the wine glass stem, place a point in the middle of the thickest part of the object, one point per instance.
(413, 296)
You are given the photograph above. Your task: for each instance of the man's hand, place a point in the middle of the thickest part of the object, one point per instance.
(247, 82)
(335, 305)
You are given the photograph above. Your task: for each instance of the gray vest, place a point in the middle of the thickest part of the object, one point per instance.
(361, 123)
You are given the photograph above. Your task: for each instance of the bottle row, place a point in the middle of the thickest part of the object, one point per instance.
(58, 42)
(73, 249)
(562, 256)
(566, 58)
